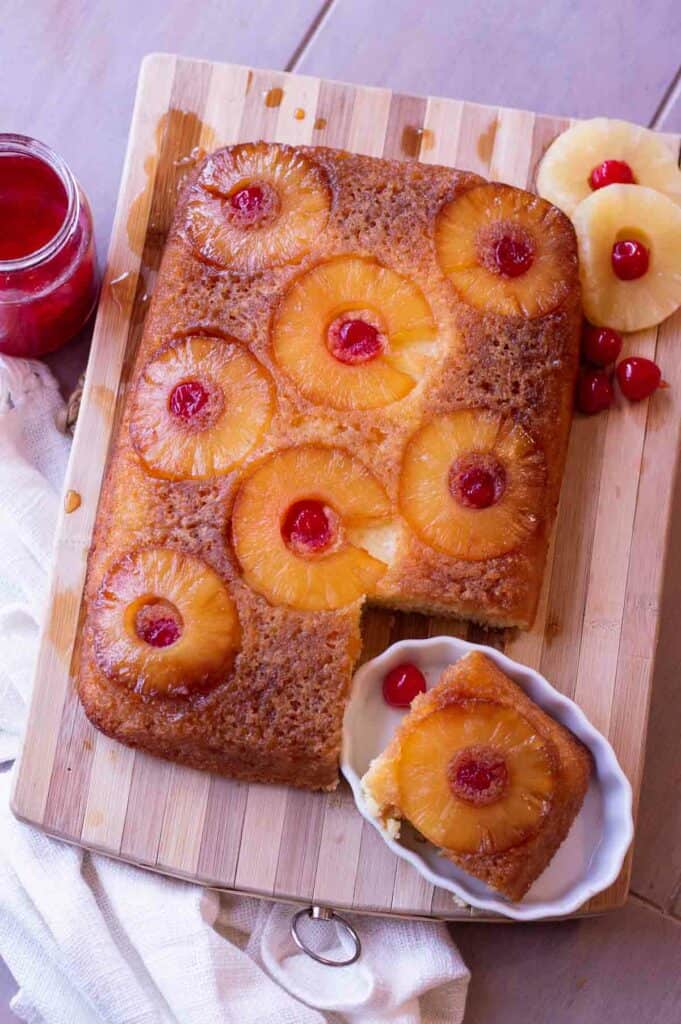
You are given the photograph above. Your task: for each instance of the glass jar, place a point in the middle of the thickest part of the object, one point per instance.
(48, 265)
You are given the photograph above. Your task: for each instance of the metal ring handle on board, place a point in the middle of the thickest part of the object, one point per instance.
(315, 913)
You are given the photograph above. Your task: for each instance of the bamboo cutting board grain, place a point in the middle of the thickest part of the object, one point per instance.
(596, 629)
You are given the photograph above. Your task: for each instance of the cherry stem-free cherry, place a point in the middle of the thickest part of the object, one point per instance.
(477, 480)
(630, 259)
(402, 683)
(638, 377)
(600, 345)
(187, 399)
(354, 341)
(594, 392)
(611, 172)
(513, 256)
(248, 200)
(307, 526)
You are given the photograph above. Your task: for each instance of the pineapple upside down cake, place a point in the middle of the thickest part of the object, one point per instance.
(355, 385)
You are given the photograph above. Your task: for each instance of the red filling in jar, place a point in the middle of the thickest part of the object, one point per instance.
(48, 266)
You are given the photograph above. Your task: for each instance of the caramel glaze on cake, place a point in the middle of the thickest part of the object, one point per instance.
(276, 715)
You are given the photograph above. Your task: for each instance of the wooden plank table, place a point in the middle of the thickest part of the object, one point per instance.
(73, 68)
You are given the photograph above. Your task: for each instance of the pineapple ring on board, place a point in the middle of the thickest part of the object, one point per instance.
(353, 334)
(506, 251)
(292, 527)
(643, 215)
(565, 173)
(472, 484)
(164, 624)
(255, 206)
(474, 777)
(201, 405)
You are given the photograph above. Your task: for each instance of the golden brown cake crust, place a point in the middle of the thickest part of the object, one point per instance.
(476, 677)
(278, 716)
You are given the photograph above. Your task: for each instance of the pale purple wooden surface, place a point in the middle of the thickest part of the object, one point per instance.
(578, 58)
(669, 115)
(69, 72)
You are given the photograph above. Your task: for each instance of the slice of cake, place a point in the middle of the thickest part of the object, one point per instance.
(483, 773)
(354, 386)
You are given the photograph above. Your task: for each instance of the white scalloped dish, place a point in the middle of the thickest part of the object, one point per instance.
(591, 857)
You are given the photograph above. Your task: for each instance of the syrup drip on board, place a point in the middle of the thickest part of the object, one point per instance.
(72, 501)
(63, 614)
(181, 138)
(120, 288)
(126, 293)
(274, 96)
(410, 142)
(427, 139)
(486, 143)
(104, 399)
(299, 114)
(191, 159)
(415, 140)
(320, 124)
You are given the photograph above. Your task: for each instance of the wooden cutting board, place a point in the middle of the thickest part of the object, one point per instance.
(596, 631)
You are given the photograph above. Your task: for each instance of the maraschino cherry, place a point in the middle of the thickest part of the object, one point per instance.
(157, 624)
(160, 632)
(402, 683)
(611, 172)
(600, 345)
(187, 399)
(354, 341)
(594, 392)
(247, 200)
(307, 527)
(477, 482)
(638, 378)
(513, 255)
(478, 775)
(477, 487)
(630, 259)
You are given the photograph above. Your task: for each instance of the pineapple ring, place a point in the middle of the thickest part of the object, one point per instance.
(298, 207)
(426, 796)
(209, 635)
(345, 285)
(239, 409)
(638, 213)
(332, 578)
(442, 522)
(469, 224)
(563, 175)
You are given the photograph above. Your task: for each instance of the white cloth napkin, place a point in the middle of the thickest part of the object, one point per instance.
(93, 940)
